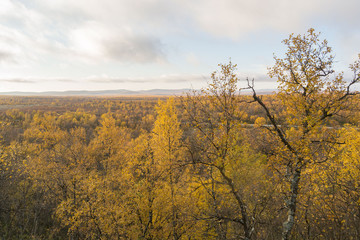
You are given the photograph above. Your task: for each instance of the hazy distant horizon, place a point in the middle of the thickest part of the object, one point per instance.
(115, 92)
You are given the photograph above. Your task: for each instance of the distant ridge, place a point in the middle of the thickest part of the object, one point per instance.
(118, 92)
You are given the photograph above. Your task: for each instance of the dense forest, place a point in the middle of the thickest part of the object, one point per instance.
(220, 163)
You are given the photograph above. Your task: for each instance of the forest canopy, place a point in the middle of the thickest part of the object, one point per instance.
(219, 163)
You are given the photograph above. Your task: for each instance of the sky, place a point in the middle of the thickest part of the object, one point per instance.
(59, 45)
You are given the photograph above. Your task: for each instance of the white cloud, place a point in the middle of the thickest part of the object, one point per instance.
(99, 42)
(13, 46)
(89, 30)
(133, 31)
(237, 18)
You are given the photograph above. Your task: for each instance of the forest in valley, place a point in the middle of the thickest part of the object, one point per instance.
(220, 163)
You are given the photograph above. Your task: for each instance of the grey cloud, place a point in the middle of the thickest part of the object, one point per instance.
(37, 80)
(7, 57)
(112, 23)
(139, 49)
(46, 29)
(17, 80)
(64, 80)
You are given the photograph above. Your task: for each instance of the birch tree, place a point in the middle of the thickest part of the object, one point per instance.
(313, 94)
(221, 157)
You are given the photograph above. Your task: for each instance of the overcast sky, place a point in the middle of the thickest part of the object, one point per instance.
(146, 44)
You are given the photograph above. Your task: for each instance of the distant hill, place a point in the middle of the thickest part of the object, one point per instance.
(118, 92)
(122, 92)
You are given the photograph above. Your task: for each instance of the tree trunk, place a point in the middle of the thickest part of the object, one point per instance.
(248, 229)
(291, 204)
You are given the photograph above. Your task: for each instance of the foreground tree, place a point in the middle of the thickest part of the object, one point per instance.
(169, 155)
(313, 94)
(223, 162)
(333, 210)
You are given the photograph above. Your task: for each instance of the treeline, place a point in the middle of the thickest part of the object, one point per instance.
(214, 164)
